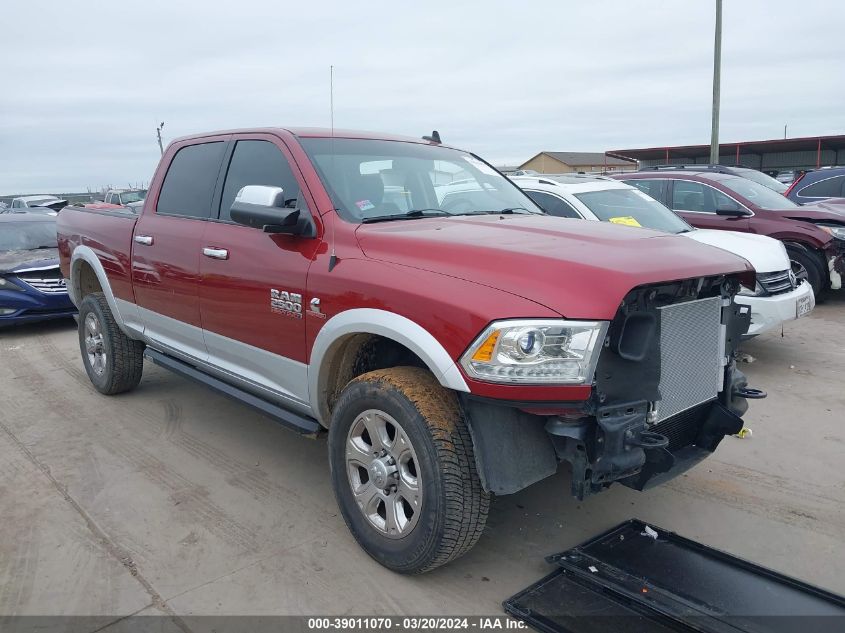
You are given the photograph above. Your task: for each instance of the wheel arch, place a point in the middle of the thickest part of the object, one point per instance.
(341, 339)
(87, 275)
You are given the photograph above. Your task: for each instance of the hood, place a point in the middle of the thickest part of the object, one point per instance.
(16, 261)
(766, 254)
(578, 269)
(831, 205)
(817, 212)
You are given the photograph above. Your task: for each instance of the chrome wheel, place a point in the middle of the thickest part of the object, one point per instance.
(382, 469)
(94, 346)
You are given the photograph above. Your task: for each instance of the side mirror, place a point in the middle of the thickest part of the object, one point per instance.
(732, 209)
(262, 207)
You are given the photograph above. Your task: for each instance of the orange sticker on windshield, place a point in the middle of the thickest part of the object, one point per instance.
(627, 220)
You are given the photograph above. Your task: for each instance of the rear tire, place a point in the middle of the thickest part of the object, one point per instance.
(805, 264)
(113, 361)
(403, 470)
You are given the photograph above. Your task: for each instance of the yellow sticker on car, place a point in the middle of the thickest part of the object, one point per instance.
(627, 220)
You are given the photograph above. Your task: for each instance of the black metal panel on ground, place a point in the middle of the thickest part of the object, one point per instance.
(626, 581)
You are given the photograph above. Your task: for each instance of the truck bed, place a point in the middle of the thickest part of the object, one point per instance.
(106, 232)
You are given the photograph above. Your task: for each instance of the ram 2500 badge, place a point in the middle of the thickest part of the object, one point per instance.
(453, 345)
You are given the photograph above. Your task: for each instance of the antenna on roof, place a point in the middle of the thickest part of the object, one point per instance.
(333, 257)
(434, 138)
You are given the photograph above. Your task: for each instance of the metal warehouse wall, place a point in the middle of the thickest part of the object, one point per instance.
(773, 160)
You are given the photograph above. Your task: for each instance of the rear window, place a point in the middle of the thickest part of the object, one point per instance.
(189, 184)
(27, 236)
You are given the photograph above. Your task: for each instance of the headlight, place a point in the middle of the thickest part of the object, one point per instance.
(534, 351)
(838, 232)
(748, 292)
(5, 284)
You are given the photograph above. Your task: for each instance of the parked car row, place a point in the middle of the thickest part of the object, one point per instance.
(814, 235)
(778, 294)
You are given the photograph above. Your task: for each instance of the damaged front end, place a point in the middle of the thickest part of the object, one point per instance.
(667, 389)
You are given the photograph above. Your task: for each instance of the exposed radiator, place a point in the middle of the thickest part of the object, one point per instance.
(690, 349)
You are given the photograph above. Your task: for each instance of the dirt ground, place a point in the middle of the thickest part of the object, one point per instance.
(172, 499)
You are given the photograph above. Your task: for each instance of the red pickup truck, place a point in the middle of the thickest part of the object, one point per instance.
(453, 340)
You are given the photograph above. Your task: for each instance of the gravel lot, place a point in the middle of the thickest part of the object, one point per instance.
(173, 499)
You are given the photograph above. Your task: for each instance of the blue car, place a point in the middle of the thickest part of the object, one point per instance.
(32, 287)
(818, 185)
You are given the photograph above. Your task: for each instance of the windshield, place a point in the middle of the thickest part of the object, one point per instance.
(758, 194)
(372, 179)
(764, 179)
(132, 196)
(27, 236)
(632, 207)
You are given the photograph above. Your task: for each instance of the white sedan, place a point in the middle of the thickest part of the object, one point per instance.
(777, 295)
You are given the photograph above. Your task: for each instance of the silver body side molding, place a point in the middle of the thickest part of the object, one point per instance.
(383, 323)
(262, 373)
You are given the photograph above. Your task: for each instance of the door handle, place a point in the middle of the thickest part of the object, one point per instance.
(216, 253)
(146, 240)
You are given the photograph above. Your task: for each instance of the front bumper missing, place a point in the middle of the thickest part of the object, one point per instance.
(619, 446)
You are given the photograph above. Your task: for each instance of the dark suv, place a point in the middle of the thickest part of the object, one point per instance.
(814, 236)
(817, 185)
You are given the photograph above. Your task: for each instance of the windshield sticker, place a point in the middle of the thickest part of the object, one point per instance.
(627, 220)
(365, 205)
(483, 167)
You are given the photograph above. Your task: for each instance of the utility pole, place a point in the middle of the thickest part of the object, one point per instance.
(784, 130)
(717, 71)
(158, 133)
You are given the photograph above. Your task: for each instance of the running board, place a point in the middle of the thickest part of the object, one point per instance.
(642, 579)
(299, 423)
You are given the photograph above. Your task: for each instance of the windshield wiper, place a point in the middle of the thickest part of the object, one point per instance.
(510, 210)
(407, 215)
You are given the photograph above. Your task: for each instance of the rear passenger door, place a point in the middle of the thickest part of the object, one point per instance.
(167, 244)
(252, 284)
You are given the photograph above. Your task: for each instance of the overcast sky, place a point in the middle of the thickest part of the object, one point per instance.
(84, 84)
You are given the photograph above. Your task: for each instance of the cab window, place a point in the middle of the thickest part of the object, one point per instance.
(188, 187)
(257, 163)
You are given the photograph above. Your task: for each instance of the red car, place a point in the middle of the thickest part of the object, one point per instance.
(814, 235)
(404, 296)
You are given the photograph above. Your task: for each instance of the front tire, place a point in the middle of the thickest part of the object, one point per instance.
(113, 361)
(403, 470)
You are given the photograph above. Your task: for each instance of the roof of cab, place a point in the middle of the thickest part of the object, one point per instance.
(316, 132)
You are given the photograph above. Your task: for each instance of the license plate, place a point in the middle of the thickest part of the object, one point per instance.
(805, 304)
